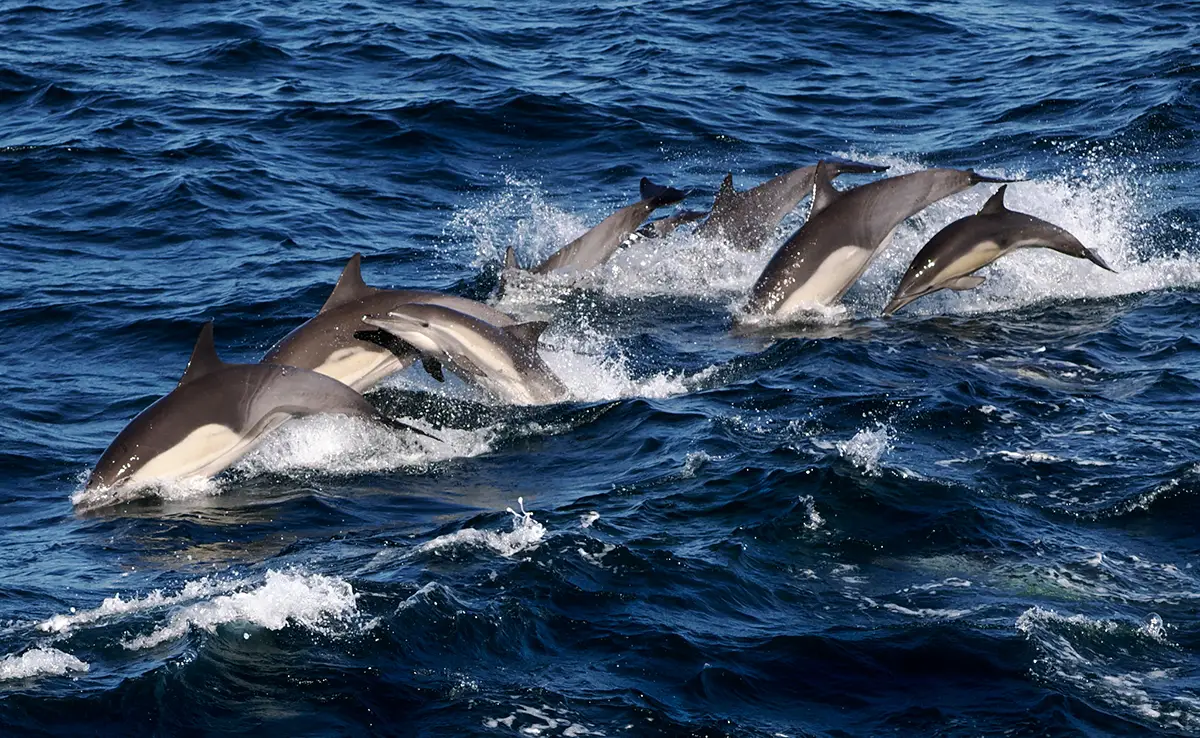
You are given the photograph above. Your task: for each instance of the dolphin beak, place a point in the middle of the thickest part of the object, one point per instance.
(848, 166)
(976, 178)
(896, 303)
(1093, 257)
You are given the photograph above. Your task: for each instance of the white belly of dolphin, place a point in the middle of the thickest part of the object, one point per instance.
(829, 280)
(206, 451)
(359, 368)
(978, 257)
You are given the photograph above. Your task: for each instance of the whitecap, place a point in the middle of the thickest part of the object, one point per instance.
(39, 662)
(526, 533)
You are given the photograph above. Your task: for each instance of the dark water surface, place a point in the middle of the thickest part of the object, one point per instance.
(977, 518)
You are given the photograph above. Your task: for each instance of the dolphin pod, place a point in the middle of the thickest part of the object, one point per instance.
(847, 230)
(220, 411)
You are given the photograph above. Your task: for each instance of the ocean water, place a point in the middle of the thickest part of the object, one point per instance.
(977, 518)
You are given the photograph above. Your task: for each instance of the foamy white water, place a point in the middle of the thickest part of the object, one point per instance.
(314, 602)
(39, 662)
(116, 606)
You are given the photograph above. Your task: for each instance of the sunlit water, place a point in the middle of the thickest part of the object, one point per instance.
(977, 517)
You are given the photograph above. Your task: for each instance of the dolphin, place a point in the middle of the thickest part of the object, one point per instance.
(216, 415)
(503, 361)
(969, 244)
(334, 343)
(748, 219)
(848, 230)
(599, 244)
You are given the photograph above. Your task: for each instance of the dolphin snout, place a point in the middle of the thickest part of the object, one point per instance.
(1093, 257)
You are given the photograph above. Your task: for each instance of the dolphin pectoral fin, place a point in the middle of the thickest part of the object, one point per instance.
(1093, 257)
(529, 332)
(397, 425)
(401, 348)
(433, 367)
(963, 284)
(660, 195)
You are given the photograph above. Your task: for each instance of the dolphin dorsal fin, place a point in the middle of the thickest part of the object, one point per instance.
(204, 357)
(995, 203)
(510, 258)
(824, 192)
(349, 287)
(726, 191)
(527, 333)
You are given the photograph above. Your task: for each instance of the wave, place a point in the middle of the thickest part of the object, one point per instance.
(1124, 665)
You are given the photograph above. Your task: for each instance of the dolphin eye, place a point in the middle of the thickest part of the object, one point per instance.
(424, 323)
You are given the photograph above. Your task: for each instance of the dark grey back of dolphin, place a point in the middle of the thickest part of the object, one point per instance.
(337, 329)
(851, 226)
(243, 398)
(968, 244)
(748, 219)
(599, 244)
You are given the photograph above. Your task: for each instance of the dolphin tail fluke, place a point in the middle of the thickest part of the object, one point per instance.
(660, 195)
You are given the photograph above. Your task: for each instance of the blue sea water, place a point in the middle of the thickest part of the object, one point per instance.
(976, 518)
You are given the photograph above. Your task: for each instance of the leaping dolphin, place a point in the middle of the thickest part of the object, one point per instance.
(334, 342)
(748, 219)
(217, 414)
(819, 263)
(969, 244)
(599, 244)
(503, 361)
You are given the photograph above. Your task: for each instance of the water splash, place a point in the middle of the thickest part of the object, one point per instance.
(867, 447)
(309, 601)
(526, 534)
(39, 662)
